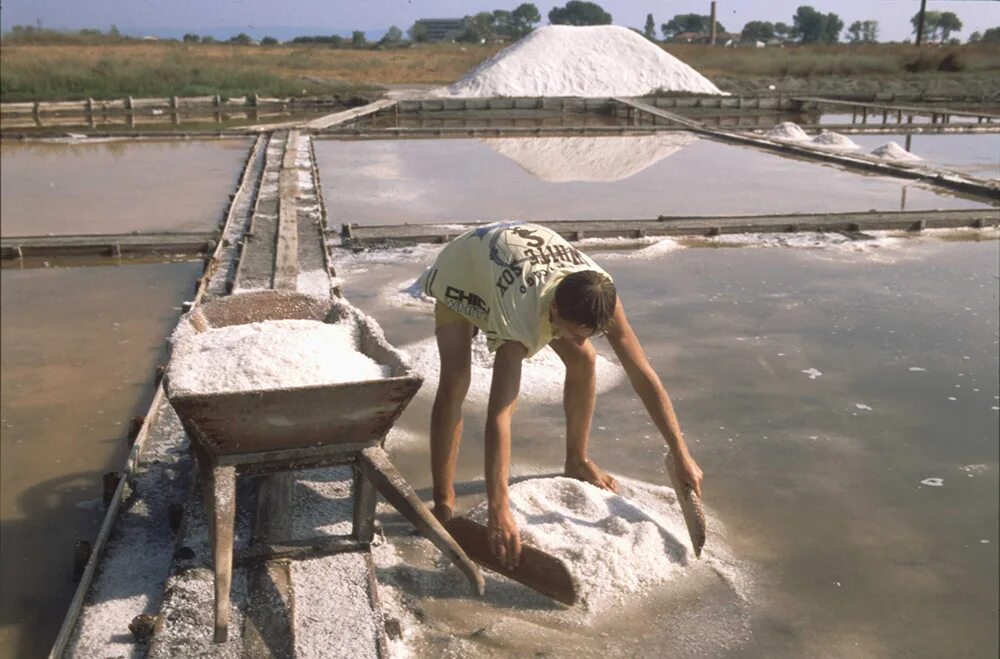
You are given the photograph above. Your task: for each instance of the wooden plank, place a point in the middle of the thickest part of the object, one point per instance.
(377, 467)
(354, 113)
(108, 244)
(286, 254)
(269, 625)
(694, 225)
(538, 570)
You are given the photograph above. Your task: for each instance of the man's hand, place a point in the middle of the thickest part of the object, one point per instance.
(689, 472)
(505, 539)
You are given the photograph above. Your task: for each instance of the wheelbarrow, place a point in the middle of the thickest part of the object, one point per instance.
(280, 430)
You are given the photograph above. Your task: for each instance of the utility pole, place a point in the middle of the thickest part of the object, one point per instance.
(712, 39)
(920, 22)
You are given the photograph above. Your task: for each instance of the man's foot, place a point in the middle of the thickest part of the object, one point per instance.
(589, 472)
(443, 512)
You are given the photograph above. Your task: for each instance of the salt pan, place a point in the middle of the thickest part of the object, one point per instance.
(591, 61)
(268, 355)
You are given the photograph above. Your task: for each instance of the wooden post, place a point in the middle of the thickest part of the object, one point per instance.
(221, 519)
(129, 103)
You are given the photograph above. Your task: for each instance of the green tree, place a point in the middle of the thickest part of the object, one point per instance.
(269, 41)
(832, 27)
(208, 39)
(863, 32)
(689, 23)
(975, 36)
(811, 26)
(241, 39)
(577, 12)
(783, 31)
(523, 19)
(649, 31)
(358, 39)
(477, 28)
(991, 35)
(392, 36)
(757, 31)
(418, 32)
(503, 22)
(191, 38)
(948, 22)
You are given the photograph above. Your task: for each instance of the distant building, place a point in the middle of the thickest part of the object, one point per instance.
(442, 29)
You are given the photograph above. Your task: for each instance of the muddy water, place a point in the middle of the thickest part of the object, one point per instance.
(537, 179)
(79, 349)
(117, 186)
(822, 391)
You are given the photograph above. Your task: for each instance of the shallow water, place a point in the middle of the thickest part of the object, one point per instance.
(819, 389)
(117, 186)
(422, 181)
(80, 346)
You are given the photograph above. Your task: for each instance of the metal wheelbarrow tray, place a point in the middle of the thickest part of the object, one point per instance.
(276, 430)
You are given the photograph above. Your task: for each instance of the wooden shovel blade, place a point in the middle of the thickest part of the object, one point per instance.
(694, 514)
(537, 570)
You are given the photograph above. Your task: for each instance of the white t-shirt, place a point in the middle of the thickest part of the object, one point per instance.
(502, 278)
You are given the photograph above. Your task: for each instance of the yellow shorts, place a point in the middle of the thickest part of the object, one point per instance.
(443, 315)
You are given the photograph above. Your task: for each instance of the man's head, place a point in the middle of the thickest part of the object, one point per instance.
(584, 304)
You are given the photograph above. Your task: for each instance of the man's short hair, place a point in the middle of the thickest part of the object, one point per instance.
(587, 297)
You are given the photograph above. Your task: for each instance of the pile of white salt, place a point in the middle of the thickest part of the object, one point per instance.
(893, 151)
(275, 354)
(787, 130)
(614, 545)
(836, 141)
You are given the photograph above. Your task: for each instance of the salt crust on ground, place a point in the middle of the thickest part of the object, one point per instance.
(592, 61)
(614, 546)
(268, 355)
(333, 618)
(541, 376)
(893, 151)
(595, 159)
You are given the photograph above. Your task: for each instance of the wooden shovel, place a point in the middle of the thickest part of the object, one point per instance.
(694, 514)
(537, 570)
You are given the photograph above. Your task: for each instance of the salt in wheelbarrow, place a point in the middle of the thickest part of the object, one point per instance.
(277, 430)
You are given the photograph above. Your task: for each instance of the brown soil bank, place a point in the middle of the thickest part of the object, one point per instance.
(51, 72)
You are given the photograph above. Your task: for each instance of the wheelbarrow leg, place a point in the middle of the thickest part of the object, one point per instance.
(376, 467)
(364, 506)
(222, 518)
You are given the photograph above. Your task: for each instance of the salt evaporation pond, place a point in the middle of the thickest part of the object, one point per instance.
(83, 187)
(422, 181)
(843, 402)
(80, 346)
(977, 154)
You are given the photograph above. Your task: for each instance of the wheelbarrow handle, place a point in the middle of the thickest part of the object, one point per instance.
(390, 483)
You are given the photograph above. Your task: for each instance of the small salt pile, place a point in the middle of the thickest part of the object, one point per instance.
(787, 130)
(590, 61)
(892, 151)
(276, 354)
(830, 140)
(613, 545)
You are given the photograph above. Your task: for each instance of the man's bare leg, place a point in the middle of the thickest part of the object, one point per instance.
(454, 340)
(579, 397)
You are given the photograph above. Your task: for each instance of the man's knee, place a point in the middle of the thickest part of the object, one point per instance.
(454, 383)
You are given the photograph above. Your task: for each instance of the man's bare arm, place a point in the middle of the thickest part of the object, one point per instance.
(504, 537)
(654, 397)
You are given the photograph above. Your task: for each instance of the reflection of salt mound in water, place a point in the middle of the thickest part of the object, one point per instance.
(541, 376)
(613, 544)
(592, 61)
(892, 151)
(787, 130)
(563, 159)
(837, 141)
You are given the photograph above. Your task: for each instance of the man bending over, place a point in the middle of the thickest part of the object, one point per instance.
(525, 288)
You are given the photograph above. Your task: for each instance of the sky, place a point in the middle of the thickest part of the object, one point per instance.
(286, 18)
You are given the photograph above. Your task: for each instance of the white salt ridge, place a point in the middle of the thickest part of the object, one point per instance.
(594, 159)
(269, 355)
(541, 376)
(656, 248)
(787, 130)
(831, 140)
(813, 373)
(933, 482)
(333, 618)
(614, 546)
(592, 61)
(316, 283)
(892, 151)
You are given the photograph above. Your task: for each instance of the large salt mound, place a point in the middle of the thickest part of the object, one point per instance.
(269, 355)
(595, 159)
(614, 545)
(892, 151)
(830, 140)
(593, 61)
(787, 130)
